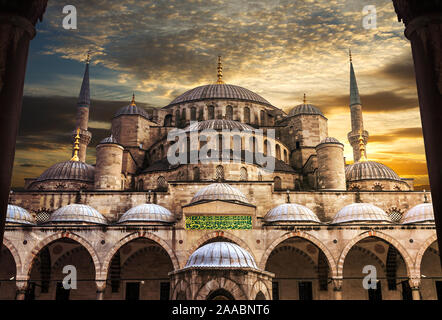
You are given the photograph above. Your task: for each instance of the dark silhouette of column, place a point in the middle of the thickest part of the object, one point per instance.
(17, 28)
(423, 27)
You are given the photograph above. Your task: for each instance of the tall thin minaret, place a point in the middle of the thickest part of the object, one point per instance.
(357, 135)
(83, 105)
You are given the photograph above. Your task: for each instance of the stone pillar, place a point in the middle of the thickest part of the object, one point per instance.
(101, 287)
(415, 284)
(17, 21)
(423, 27)
(337, 288)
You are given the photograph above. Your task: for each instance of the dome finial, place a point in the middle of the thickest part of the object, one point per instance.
(132, 103)
(362, 147)
(76, 146)
(220, 71)
(305, 99)
(88, 58)
(349, 55)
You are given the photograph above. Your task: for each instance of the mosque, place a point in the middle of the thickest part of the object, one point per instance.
(136, 226)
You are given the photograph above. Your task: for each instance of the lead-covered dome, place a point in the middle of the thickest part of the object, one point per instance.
(361, 212)
(219, 91)
(421, 213)
(221, 255)
(77, 213)
(219, 125)
(69, 170)
(369, 170)
(18, 215)
(330, 140)
(132, 109)
(291, 212)
(219, 191)
(148, 212)
(304, 108)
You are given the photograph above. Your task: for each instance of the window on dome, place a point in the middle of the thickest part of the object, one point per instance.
(278, 152)
(219, 173)
(168, 120)
(229, 113)
(193, 113)
(196, 174)
(247, 115)
(211, 112)
(263, 117)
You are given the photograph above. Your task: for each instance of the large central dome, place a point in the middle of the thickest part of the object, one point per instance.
(219, 91)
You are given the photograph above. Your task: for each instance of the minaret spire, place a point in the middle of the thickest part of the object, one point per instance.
(220, 71)
(305, 99)
(357, 137)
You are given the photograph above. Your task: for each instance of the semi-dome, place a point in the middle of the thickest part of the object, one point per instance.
(361, 212)
(219, 125)
(18, 215)
(369, 170)
(291, 212)
(109, 139)
(77, 213)
(304, 108)
(219, 191)
(148, 212)
(219, 91)
(421, 213)
(221, 255)
(69, 170)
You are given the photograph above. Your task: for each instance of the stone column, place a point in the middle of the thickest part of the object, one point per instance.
(337, 288)
(101, 287)
(415, 284)
(17, 21)
(423, 27)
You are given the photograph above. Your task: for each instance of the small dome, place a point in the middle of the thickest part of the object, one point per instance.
(16, 214)
(77, 213)
(219, 125)
(132, 109)
(69, 170)
(219, 91)
(291, 212)
(421, 213)
(359, 212)
(109, 139)
(148, 212)
(219, 191)
(221, 255)
(369, 170)
(330, 140)
(305, 109)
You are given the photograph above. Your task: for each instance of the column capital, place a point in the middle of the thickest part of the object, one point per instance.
(101, 285)
(415, 282)
(337, 284)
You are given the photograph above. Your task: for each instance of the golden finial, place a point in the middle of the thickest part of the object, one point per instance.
(349, 54)
(220, 71)
(88, 59)
(362, 147)
(76, 146)
(305, 99)
(132, 103)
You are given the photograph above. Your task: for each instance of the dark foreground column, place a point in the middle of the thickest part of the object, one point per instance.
(423, 27)
(17, 21)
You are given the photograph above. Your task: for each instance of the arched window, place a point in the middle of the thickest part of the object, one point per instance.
(243, 174)
(177, 118)
(378, 187)
(277, 183)
(286, 160)
(263, 117)
(196, 174)
(140, 185)
(161, 183)
(297, 184)
(219, 173)
(168, 120)
(278, 152)
(247, 115)
(260, 296)
(211, 112)
(229, 113)
(267, 148)
(193, 113)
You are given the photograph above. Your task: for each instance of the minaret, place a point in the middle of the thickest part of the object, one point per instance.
(357, 135)
(83, 105)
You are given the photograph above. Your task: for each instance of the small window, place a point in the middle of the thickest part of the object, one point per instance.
(161, 183)
(219, 173)
(277, 183)
(229, 113)
(243, 174)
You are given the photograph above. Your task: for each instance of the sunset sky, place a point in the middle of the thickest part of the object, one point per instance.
(279, 49)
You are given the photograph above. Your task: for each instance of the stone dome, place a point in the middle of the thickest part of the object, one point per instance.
(219, 191)
(109, 139)
(369, 170)
(76, 213)
(221, 255)
(291, 212)
(330, 140)
(421, 213)
(361, 212)
(18, 215)
(148, 212)
(219, 91)
(69, 170)
(308, 109)
(219, 125)
(132, 109)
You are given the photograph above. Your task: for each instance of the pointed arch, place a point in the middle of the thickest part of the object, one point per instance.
(221, 283)
(421, 252)
(258, 287)
(404, 253)
(14, 252)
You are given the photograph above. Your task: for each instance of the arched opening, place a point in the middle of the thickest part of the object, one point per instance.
(47, 274)
(243, 174)
(219, 176)
(140, 185)
(277, 183)
(8, 272)
(301, 271)
(431, 274)
(229, 113)
(220, 294)
(278, 152)
(210, 112)
(389, 266)
(168, 120)
(260, 296)
(247, 115)
(139, 271)
(193, 113)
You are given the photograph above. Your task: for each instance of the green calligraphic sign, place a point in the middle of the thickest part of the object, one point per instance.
(218, 222)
